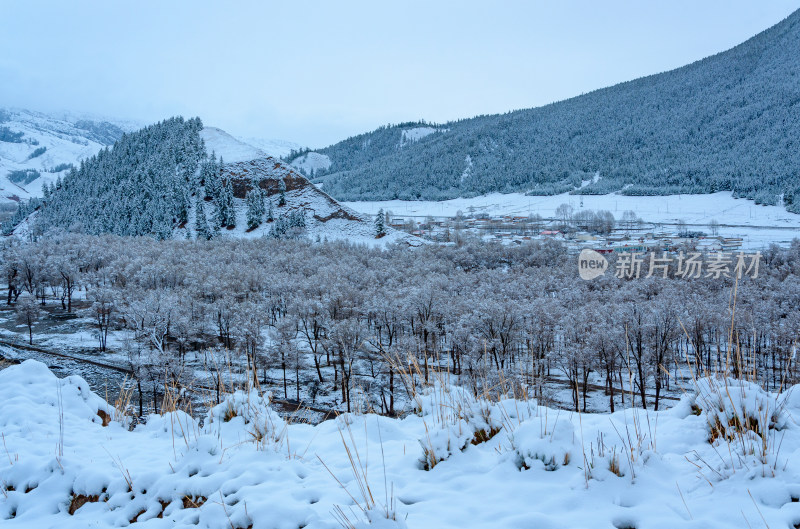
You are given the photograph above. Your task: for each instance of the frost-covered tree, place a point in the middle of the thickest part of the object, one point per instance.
(202, 230)
(225, 214)
(282, 193)
(102, 311)
(28, 312)
(380, 227)
(255, 206)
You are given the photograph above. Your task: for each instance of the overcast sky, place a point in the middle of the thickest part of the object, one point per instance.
(317, 72)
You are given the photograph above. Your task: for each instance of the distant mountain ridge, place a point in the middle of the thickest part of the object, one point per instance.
(727, 122)
(37, 148)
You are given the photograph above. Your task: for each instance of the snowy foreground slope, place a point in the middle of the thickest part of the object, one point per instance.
(503, 465)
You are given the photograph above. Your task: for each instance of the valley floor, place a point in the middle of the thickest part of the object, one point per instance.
(757, 225)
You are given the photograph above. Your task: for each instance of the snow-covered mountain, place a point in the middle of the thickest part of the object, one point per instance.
(725, 123)
(158, 181)
(325, 217)
(37, 148)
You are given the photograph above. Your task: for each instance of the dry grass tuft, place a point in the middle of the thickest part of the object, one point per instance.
(613, 465)
(79, 500)
(193, 502)
(105, 417)
(482, 435)
(366, 504)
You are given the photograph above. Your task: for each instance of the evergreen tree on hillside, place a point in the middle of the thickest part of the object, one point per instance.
(209, 176)
(380, 228)
(255, 206)
(282, 193)
(201, 223)
(226, 213)
(270, 212)
(289, 226)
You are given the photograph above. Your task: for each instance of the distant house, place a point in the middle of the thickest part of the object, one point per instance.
(550, 233)
(731, 243)
(709, 244)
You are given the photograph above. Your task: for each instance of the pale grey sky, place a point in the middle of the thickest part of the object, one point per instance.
(317, 72)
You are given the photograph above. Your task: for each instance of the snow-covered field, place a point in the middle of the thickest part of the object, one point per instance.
(507, 464)
(757, 225)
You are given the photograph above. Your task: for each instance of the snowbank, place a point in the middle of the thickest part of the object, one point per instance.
(540, 467)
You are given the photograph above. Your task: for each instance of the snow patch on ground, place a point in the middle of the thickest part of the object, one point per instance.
(276, 148)
(312, 162)
(467, 168)
(416, 134)
(531, 467)
(225, 146)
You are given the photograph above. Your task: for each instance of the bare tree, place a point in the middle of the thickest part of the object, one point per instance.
(28, 312)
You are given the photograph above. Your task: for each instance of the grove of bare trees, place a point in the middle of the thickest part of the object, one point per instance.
(353, 320)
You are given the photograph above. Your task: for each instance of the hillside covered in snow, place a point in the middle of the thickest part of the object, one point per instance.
(724, 123)
(37, 148)
(324, 218)
(179, 179)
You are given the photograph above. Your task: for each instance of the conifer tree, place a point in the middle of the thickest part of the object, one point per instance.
(282, 190)
(225, 214)
(255, 206)
(201, 224)
(380, 228)
(209, 175)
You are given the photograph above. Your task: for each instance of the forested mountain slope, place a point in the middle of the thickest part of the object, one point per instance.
(140, 186)
(166, 181)
(727, 122)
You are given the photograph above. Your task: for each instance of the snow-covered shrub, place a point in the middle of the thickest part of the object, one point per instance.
(548, 445)
(249, 411)
(745, 416)
(454, 418)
